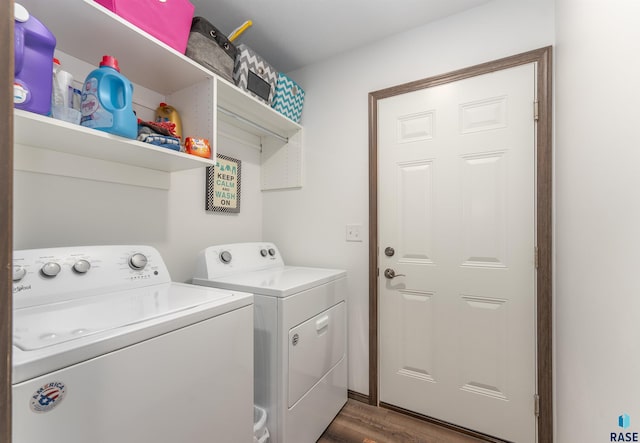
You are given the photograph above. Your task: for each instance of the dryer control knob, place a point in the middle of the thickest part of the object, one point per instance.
(50, 269)
(82, 266)
(138, 261)
(18, 273)
(263, 252)
(272, 252)
(225, 257)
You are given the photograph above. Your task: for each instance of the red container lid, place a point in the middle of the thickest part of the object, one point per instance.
(112, 62)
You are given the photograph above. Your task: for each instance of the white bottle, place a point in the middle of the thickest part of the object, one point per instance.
(62, 95)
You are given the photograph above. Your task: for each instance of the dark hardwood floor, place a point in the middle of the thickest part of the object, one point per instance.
(359, 422)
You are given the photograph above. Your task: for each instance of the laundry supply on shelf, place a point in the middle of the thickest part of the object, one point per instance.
(62, 95)
(167, 113)
(159, 134)
(62, 85)
(34, 45)
(198, 146)
(107, 97)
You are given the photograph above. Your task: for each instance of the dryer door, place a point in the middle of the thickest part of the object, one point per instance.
(315, 347)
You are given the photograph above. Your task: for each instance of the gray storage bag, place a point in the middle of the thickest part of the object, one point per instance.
(209, 47)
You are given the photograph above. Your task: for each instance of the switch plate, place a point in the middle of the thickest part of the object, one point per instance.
(354, 232)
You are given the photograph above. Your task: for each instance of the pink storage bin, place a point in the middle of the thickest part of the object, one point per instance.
(167, 20)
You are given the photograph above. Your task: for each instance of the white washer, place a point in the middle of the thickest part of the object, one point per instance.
(107, 349)
(300, 324)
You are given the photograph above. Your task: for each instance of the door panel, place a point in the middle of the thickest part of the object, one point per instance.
(456, 182)
(484, 188)
(415, 196)
(416, 342)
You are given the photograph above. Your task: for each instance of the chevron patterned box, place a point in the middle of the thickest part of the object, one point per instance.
(289, 98)
(253, 74)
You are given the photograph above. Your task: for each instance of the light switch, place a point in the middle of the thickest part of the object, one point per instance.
(354, 232)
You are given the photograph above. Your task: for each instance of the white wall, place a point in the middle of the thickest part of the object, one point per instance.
(598, 218)
(309, 224)
(52, 211)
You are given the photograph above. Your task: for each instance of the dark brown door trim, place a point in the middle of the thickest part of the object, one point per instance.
(542, 57)
(6, 203)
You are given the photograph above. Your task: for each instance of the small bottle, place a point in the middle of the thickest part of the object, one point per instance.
(62, 86)
(167, 113)
(62, 95)
(107, 100)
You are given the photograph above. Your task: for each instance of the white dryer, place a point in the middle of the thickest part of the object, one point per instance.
(107, 349)
(300, 343)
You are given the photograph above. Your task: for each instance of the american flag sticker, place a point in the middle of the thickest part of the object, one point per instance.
(48, 397)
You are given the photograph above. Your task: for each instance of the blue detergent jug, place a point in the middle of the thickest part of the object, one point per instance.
(107, 100)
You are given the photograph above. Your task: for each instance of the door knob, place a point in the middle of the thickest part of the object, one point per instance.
(390, 273)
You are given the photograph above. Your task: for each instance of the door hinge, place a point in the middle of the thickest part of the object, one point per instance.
(536, 114)
(378, 272)
(536, 257)
(536, 405)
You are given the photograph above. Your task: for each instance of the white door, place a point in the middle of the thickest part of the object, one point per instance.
(456, 181)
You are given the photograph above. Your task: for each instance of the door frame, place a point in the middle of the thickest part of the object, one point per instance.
(6, 223)
(544, 332)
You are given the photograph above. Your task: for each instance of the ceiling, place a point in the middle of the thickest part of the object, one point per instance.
(290, 34)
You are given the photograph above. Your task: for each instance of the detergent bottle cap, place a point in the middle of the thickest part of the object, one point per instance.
(110, 61)
(20, 13)
(56, 61)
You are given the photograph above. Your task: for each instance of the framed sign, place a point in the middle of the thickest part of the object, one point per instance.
(223, 185)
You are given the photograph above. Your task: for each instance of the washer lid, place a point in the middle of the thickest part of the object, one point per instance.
(276, 282)
(48, 325)
(56, 335)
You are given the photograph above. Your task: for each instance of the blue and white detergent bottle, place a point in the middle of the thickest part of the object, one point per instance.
(107, 100)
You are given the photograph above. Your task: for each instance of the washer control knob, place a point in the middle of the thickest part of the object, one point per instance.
(18, 273)
(263, 252)
(272, 252)
(138, 261)
(225, 257)
(82, 266)
(50, 269)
